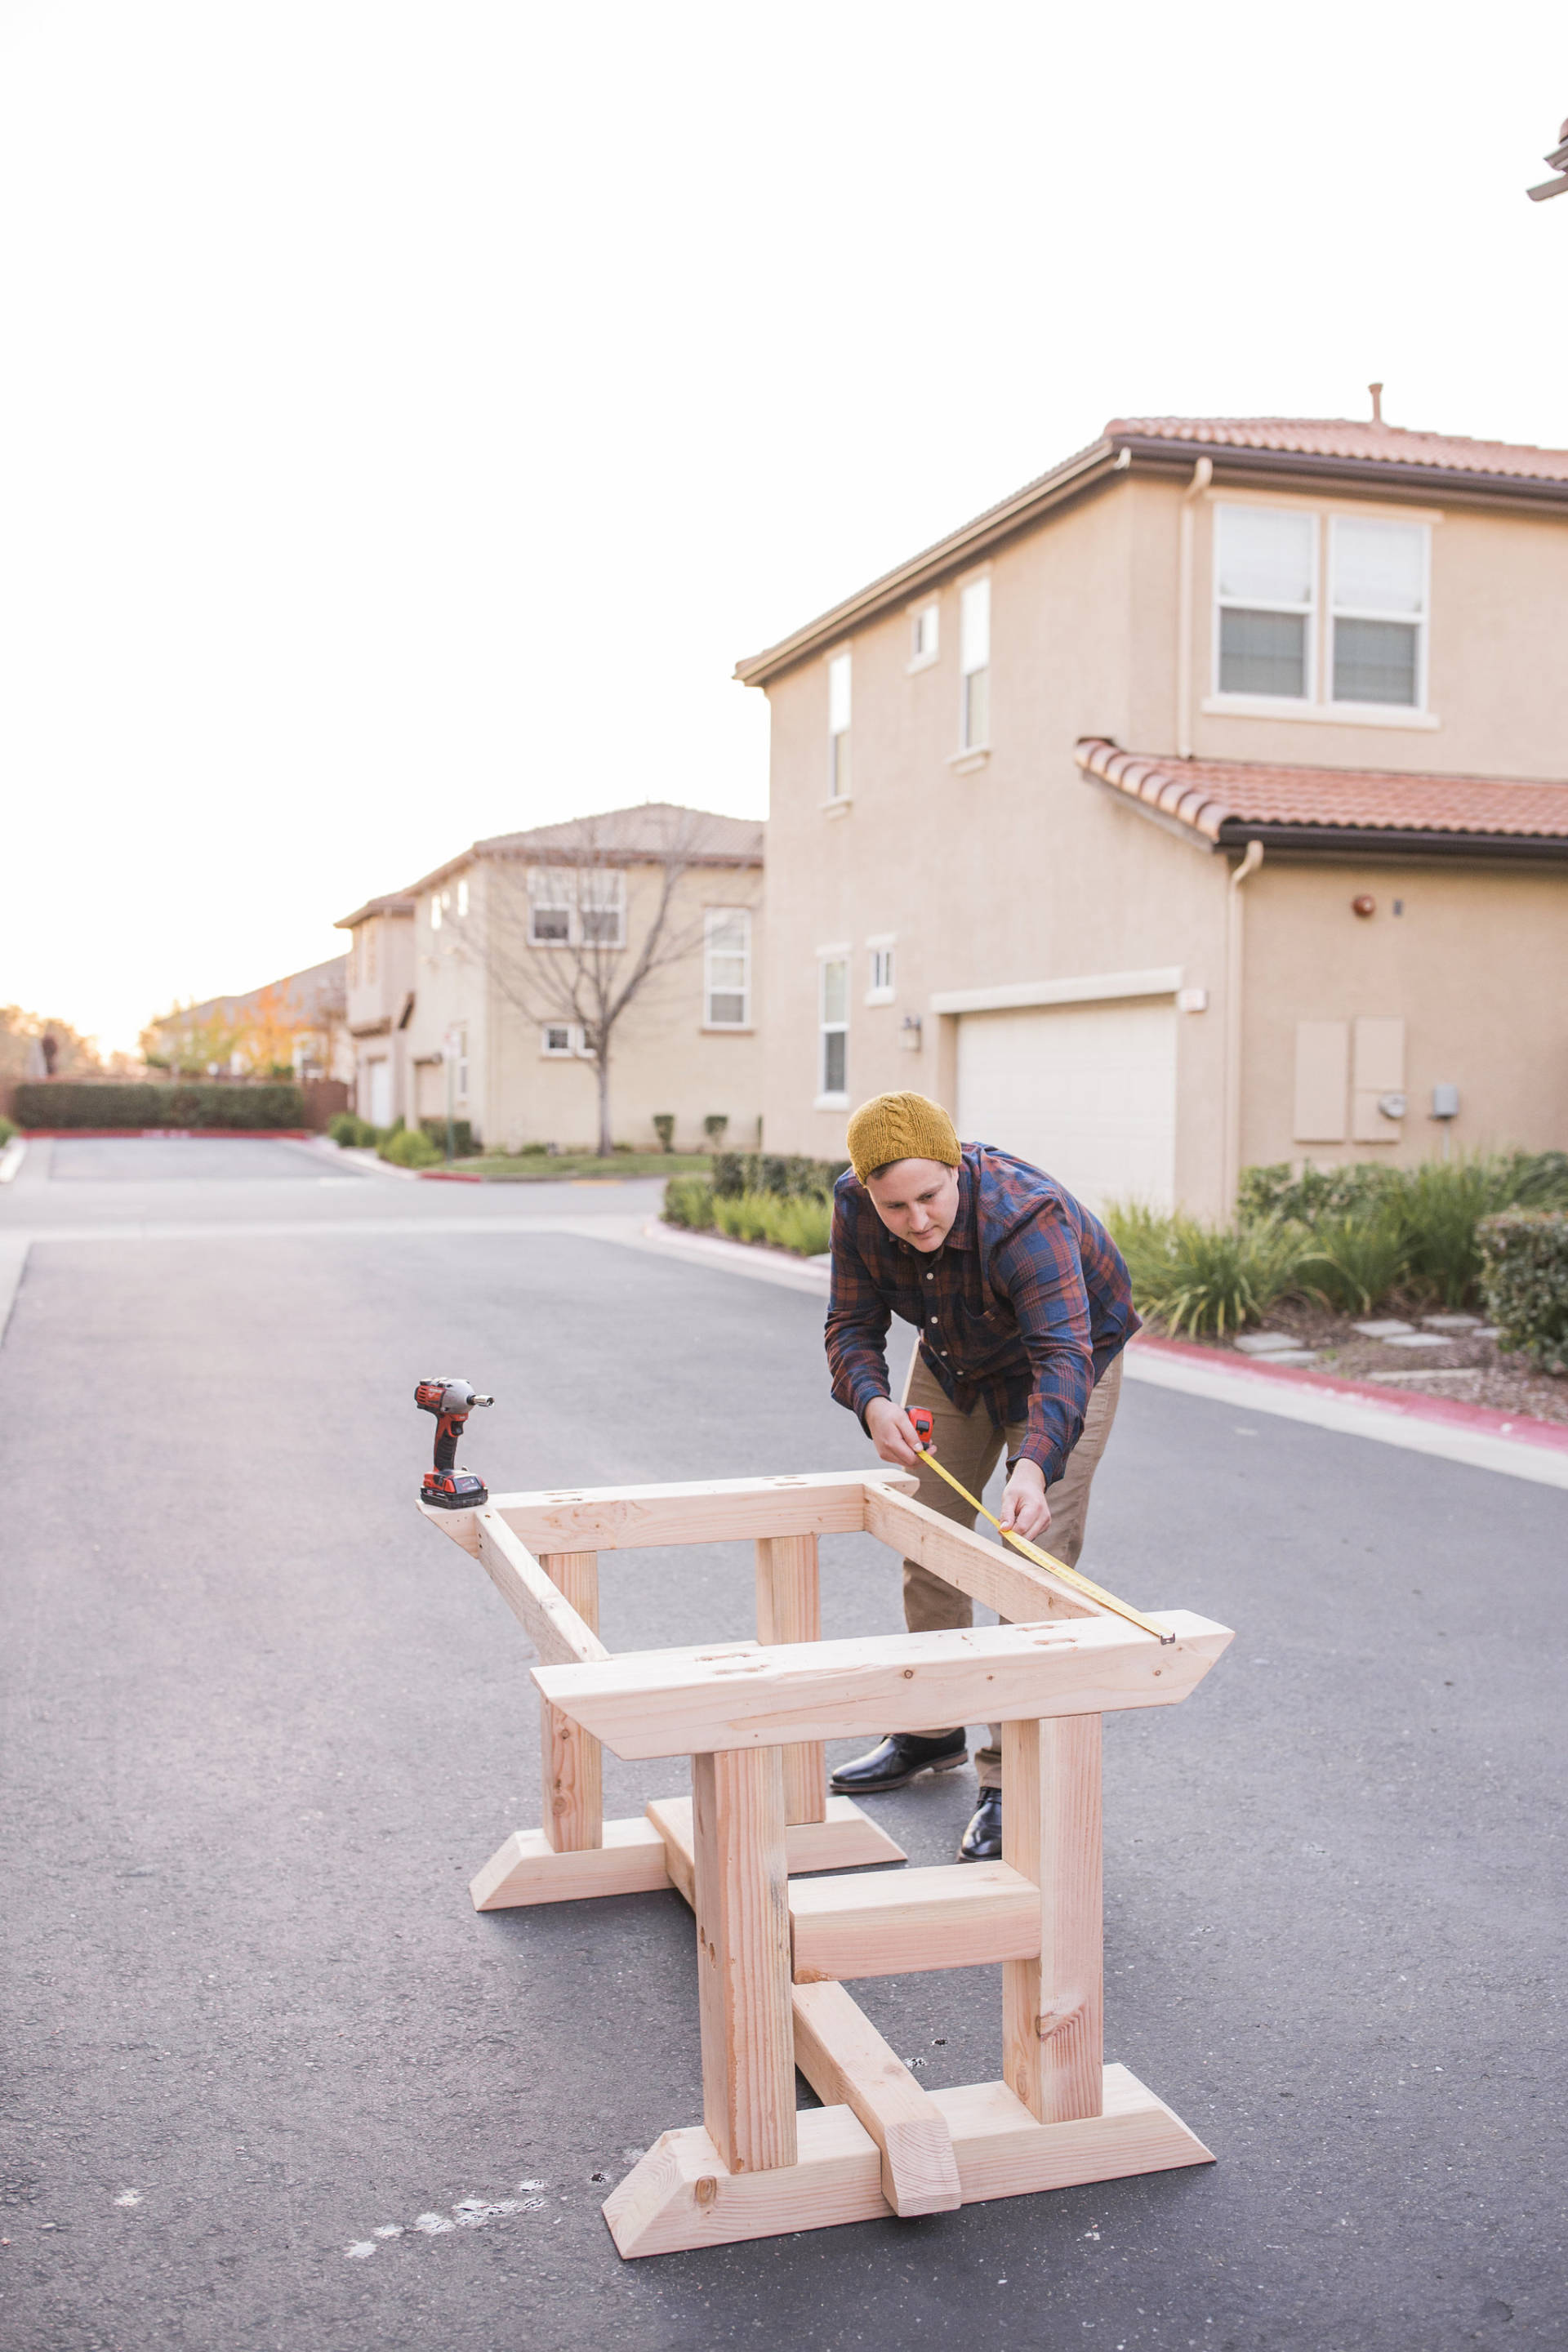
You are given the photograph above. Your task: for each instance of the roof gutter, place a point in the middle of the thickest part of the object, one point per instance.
(1089, 471)
(1353, 841)
(1380, 473)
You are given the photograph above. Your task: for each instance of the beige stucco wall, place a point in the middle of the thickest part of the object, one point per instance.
(1020, 871)
(375, 1006)
(477, 972)
(1476, 966)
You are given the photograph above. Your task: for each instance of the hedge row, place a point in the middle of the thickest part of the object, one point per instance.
(64, 1102)
(787, 1174)
(1524, 1282)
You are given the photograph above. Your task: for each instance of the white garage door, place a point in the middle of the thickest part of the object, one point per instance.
(1088, 1092)
(379, 1093)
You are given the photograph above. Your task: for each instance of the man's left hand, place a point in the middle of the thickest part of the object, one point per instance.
(1024, 1510)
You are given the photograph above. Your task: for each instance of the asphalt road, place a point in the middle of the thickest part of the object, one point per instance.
(261, 1725)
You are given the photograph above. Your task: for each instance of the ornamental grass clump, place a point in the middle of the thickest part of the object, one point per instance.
(1193, 1278)
(1355, 1261)
(799, 1221)
(688, 1200)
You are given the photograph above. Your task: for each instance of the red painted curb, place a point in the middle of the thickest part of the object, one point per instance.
(446, 1176)
(119, 1134)
(1515, 1429)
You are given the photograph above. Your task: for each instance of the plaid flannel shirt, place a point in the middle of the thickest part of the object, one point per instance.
(1021, 1309)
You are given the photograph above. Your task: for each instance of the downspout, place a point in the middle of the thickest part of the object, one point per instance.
(1203, 475)
(1234, 944)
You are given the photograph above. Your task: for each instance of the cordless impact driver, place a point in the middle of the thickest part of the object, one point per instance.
(446, 1486)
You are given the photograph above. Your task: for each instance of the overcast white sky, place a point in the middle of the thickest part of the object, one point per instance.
(410, 413)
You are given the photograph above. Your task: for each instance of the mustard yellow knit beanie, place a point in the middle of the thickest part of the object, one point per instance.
(900, 1127)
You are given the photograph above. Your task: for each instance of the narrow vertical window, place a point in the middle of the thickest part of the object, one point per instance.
(838, 728)
(727, 968)
(463, 898)
(602, 906)
(551, 897)
(462, 1066)
(435, 910)
(881, 988)
(975, 666)
(834, 1064)
(1379, 611)
(923, 636)
(1266, 563)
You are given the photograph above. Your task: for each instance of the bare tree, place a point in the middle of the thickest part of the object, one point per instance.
(575, 924)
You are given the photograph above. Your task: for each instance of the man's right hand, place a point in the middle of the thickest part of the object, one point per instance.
(892, 1433)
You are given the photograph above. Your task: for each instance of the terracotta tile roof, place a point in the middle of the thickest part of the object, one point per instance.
(1334, 436)
(1230, 799)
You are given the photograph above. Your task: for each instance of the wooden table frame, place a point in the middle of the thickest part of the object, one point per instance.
(753, 1716)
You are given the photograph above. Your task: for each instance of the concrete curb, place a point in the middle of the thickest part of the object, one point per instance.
(740, 1257)
(12, 1157)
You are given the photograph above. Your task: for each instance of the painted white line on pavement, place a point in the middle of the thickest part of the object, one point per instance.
(1290, 1400)
(14, 1248)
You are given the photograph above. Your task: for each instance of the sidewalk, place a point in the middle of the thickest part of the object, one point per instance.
(1517, 1446)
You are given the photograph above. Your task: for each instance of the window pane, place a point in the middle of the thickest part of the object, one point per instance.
(1375, 661)
(728, 1011)
(1263, 653)
(551, 922)
(726, 971)
(727, 934)
(601, 927)
(835, 990)
(838, 769)
(925, 631)
(838, 694)
(975, 626)
(977, 709)
(1380, 567)
(834, 1063)
(1263, 556)
(557, 1041)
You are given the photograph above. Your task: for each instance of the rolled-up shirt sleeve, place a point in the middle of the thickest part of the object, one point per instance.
(1040, 1271)
(857, 1319)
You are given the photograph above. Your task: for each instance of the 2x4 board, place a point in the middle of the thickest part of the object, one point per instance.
(772, 1959)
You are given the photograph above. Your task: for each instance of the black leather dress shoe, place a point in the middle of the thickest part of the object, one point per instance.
(983, 1838)
(897, 1758)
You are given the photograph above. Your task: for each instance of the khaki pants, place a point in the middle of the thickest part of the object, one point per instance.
(971, 1448)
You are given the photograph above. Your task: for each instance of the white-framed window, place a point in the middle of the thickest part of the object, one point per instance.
(463, 899)
(833, 1042)
(552, 904)
(1266, 601)
(839, 716)
(1378, 601)
(727, 968)
(435, 910)
(880, 990)
(462, 1058)
(924, 634)
(560, 1041)
(975, 666)
(602, 906)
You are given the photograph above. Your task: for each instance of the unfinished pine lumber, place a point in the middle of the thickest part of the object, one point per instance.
(772, 1957)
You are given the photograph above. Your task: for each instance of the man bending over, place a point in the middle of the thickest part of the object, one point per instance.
(1023, 1306)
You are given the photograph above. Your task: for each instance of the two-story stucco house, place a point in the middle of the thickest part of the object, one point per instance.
(380, 1006)
(505, 958)
(1200, 805)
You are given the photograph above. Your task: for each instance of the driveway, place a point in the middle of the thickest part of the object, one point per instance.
(262, 1723)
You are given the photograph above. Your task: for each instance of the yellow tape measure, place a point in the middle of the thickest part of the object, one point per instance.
(1056, 1566)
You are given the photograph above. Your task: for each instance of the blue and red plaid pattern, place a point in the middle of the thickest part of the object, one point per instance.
(1021, 1309)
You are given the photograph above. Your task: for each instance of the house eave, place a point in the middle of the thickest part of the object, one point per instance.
(1089, 471)
(1389, 477)
(1354, 842)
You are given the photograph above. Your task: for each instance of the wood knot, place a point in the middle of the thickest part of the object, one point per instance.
(706, 2190)
(908, 1674)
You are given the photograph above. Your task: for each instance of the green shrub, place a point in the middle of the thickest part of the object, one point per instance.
(70, 1103)
(353, 1134)
(714, 1125)
(1524, 1282)
(1442, 1203)
(785, 1174)
(801, 1222)
(1193, 1277)
(664, 1128)
(409, 1147)
(6, 1130)
(688, 1200)
(1277, 1192)
(1539, 1180)
(1356, 1260)
(463, 1144)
